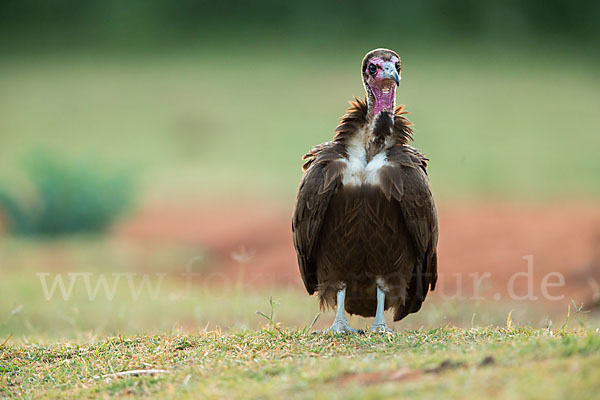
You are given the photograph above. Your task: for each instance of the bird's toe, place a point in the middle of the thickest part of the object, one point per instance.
(380, 328)
(342, 328)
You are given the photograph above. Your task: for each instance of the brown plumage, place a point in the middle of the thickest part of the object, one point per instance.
(365, 216)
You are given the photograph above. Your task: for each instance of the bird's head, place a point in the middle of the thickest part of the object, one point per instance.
(381, 74)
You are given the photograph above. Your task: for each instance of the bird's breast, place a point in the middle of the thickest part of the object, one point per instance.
(359, 171)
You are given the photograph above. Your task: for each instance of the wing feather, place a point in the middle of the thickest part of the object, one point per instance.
(405, 179)
(320, 180)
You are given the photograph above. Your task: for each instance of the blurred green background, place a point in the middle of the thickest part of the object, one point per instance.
(161, 102)
(201, 97)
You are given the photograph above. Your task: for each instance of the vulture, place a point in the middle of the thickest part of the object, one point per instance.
(365, 225)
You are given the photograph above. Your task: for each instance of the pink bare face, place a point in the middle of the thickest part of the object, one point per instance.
(380, 72)
(383, 76)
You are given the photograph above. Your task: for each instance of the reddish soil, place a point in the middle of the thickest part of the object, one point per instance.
(474, 239)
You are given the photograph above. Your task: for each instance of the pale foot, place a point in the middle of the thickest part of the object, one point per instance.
(340, 328)
(380, 328)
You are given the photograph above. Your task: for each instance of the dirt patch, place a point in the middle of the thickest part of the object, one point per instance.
(404, 374)
(373, 378)
(481, 247)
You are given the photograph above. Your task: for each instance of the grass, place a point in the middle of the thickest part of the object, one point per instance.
(214, 344)
(277, 362)
(495, 122)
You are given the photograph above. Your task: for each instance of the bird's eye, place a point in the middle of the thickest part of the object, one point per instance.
(397, 67)
(372, 69)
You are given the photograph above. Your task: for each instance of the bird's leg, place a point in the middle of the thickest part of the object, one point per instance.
(340, 325)
(379, 324)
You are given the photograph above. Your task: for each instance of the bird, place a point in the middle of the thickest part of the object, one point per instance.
(365, 225)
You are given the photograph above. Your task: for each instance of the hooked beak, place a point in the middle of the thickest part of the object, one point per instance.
(389, 72)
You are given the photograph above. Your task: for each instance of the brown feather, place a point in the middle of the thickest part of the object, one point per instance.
(353, 235)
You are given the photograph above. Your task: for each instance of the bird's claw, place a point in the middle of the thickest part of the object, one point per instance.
(340, 328)
(380, 328)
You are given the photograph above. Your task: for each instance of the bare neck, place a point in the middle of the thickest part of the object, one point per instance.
(381, 99)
